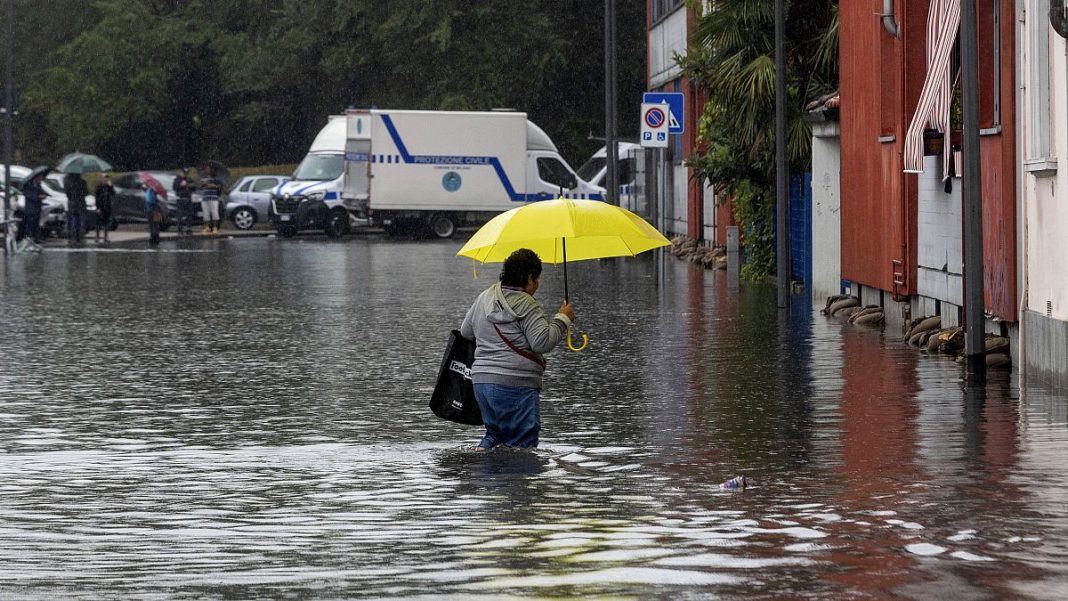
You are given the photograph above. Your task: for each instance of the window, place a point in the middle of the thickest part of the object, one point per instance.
(126, 181)
(663, 8)
(245, 186)
(988, 23)
(552, 171)
(592, 167)
(265, 185)
(625, 172)
(1037, 88)
(320, 167)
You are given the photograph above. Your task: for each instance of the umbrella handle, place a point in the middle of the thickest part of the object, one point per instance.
(571, 345)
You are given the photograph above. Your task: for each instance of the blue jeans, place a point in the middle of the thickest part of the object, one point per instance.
(512, 415)
(185, 214)
(75, 224)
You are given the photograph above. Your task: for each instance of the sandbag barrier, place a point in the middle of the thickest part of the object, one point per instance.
(925, 333)
(708, 257)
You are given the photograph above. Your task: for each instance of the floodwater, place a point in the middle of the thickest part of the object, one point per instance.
(247, 419)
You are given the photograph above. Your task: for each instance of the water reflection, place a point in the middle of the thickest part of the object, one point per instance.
(248, 418)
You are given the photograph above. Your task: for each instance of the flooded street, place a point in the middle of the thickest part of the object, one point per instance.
(248, 418)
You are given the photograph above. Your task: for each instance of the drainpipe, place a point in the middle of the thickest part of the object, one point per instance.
(891, 25)
(1058, 17)
(1023, 282)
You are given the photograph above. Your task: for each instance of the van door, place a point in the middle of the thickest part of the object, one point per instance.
(356, 184)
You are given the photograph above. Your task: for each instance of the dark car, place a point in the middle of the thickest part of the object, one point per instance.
(128, 206)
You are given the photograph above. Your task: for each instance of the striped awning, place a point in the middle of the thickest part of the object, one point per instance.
(932, 110)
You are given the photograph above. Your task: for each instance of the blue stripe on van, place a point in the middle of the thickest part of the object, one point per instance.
(494, 162)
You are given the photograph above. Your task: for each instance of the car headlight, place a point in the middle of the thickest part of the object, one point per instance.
(317, 196)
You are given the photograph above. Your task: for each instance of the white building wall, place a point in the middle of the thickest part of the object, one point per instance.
(826, 210)
(1044, 186)
(665, 40)
(678, 212)
(939, 270)
(708, 230)
(1046, 197)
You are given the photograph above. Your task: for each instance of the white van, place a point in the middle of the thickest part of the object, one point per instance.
(438, 170)
(312, 198)
(595, 170)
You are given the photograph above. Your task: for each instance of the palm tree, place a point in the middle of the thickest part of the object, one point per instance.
(731, 59)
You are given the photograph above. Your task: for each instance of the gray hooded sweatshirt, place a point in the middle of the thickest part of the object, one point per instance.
(522, 321)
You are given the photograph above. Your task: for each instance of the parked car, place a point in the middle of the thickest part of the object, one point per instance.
(250, 199)
(128, 206)
(18, 175)
(52, 184)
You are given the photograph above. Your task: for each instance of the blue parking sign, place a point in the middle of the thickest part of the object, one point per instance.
(676, 102)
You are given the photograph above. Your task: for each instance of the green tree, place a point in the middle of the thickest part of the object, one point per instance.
(731, 57)
(155, 83)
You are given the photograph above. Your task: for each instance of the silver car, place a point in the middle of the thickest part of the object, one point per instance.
(250, 199)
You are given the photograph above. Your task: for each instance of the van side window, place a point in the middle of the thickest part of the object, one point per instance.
(552, 171)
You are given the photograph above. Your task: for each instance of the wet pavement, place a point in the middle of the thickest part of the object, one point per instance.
(247, 418)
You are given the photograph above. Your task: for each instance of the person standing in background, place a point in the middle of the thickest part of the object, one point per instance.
(104, 193)
(76, 190)
(209, 202)
(33, 193)
(154, 213)
(183, 187)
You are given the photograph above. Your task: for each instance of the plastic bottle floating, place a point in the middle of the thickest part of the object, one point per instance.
(736, 483)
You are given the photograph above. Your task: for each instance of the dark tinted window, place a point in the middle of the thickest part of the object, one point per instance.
(591, 168)
(625, 172)
(553, 172)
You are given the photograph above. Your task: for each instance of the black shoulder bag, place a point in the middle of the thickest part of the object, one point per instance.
(454, 395)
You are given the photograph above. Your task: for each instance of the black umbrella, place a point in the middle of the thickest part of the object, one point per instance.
(218, 169)
(38, 172)
(77, 162)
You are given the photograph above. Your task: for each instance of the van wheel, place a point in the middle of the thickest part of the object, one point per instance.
(442, 226)
(337, 223)
(287, 231)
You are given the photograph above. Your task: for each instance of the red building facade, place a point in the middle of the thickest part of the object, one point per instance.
(881, 79)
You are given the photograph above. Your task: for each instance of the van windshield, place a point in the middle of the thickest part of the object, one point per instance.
(591, 168)
(320, 167)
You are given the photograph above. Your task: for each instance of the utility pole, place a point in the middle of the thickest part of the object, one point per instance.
(9, 105)
(782, 190)
(972, 194)
(610, 120)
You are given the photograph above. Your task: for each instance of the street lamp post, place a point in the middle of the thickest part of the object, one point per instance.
(782, 206)
(9, 103)
(974, 319)
(610, 143)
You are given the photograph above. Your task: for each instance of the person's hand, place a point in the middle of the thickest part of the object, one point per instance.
(567, 310)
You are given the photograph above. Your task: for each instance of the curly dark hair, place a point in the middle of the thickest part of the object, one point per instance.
(519, 267)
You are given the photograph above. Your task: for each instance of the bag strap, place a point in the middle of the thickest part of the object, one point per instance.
(518, 350)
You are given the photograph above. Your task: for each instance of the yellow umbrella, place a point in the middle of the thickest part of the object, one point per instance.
(562, 229)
